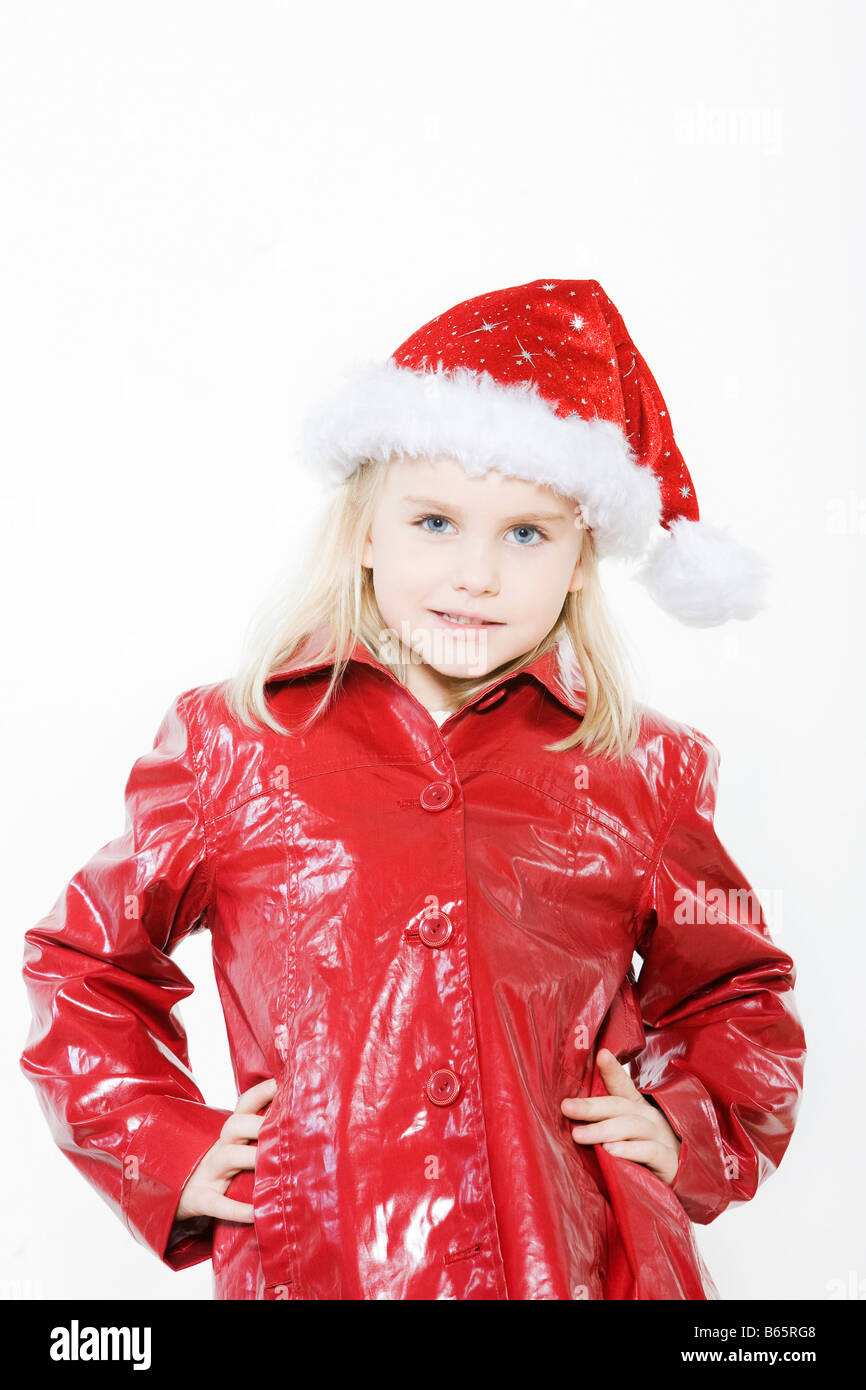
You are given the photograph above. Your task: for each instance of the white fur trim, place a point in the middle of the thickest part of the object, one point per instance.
(702, 576)
(381, 408)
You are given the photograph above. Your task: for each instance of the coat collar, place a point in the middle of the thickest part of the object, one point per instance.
(546, 669)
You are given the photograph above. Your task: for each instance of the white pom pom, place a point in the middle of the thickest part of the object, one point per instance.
(702, 576)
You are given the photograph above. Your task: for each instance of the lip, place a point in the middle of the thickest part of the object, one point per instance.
(475, 626)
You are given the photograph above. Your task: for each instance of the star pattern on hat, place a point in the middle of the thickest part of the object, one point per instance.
(484, 327)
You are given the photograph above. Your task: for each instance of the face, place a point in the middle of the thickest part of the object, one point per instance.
(503, 551)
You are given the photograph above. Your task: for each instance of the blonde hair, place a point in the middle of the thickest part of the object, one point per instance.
(338, 591)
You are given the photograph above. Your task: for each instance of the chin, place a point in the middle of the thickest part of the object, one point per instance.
(461, 671)
(467, 657)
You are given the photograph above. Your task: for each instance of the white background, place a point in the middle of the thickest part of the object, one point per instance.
(209, 208)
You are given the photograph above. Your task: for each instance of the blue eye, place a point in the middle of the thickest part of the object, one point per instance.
(530, 528)
(523, 526)
(431, 518)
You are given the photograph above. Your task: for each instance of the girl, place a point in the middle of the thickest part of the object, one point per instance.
(428, 828)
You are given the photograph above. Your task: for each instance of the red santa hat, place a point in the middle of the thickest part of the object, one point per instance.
(543, 382)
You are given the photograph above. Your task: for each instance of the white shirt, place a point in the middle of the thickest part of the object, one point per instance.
(440, 714)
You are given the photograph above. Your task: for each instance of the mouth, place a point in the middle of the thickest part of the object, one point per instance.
(465, 620)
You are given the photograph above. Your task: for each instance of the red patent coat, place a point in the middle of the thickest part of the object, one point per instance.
(424, 935)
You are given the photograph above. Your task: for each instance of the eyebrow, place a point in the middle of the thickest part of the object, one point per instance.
(519, 516)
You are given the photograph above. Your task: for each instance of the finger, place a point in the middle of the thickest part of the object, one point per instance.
(645, 1151)
(597, 1107)
(241, 1125)
(256, 1096)
(614, 1075)
(623, 1127)
(233, 1158)
(225, 1208)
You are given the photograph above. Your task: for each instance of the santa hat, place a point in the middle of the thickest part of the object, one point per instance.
(543, 382)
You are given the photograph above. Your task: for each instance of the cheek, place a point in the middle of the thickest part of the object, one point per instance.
(539, 579)
(405, 563)
(398, 575)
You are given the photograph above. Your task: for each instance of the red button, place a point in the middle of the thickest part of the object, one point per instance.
(436, 796)
(435, 929)
(443, 1086)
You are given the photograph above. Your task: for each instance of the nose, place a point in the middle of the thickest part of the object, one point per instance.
(475, 570)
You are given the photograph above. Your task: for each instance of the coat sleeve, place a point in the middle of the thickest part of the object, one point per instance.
(106, 1054)
(725, 1046)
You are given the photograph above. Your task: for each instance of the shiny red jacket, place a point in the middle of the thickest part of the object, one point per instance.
(425, 935)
